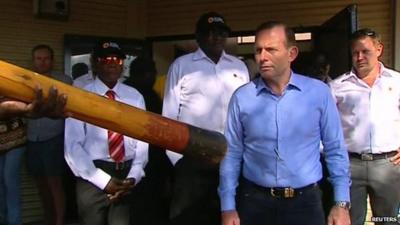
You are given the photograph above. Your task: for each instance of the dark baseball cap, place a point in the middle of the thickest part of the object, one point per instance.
(210, 21)
(107, 48)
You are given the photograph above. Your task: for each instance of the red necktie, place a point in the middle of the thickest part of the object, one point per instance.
(115, 140)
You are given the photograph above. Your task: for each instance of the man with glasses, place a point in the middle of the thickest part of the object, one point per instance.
(198, 88)
(368, 99)
(107, 164)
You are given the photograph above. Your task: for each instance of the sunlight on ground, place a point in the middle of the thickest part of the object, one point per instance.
(369, 214)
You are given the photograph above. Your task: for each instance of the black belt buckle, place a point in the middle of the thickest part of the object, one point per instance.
(367, 157)
(119, 165)
(282, 193)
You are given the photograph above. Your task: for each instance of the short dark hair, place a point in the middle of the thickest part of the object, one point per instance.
(42, 46)
(79, 69)
(289, 33)
(364, 33)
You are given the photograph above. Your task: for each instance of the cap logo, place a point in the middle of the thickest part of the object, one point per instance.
(215, 19)
(110, 44)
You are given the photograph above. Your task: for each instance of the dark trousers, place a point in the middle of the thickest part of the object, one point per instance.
(152, 195)
(94, 208)
(195, 200)
(258, 207)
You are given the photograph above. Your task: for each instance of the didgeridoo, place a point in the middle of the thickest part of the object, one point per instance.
(19, 83)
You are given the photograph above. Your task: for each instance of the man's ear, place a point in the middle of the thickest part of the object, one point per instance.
(293, 53)
(379, 49)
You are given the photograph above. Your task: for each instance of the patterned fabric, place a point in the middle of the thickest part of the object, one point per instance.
(12, 133)
(115, 140)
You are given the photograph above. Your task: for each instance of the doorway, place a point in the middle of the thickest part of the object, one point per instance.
(330, 39)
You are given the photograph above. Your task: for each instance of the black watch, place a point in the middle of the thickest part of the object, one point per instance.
(343, 204)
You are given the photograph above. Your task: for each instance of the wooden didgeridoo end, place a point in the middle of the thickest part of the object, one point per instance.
(19, 83)
(210, 145)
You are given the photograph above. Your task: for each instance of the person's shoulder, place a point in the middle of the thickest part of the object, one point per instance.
(339, 80)
(181, 66)
(62, 77)
(395, 74)
(235, 60)
(247, 88)
(308, 81)
(88, 86)
(68, 79)
(130, 91)
(310, 84)
(84, 77)
(181, 63)
(183, 59)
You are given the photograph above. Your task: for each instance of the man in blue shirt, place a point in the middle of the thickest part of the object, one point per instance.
(274, 128)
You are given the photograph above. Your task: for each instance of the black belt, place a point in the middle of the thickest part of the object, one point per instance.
(113, 165)
(282, 192)
(115, 169)
(371, 156)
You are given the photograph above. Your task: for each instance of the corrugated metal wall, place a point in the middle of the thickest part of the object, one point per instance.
(20, 30)
(31, 206)
(172, 17)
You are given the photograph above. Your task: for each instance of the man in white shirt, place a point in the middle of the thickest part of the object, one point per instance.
(368, 98)
(198, 89)
(107, 164)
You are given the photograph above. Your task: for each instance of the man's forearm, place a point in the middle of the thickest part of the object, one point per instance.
(9, 109)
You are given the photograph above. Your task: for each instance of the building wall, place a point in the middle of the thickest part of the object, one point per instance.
(172, 17)
(20, 30)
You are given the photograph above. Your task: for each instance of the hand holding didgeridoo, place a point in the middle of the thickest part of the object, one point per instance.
(19, 83)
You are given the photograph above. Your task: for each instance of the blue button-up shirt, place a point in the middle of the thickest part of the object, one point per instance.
(277, 138)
